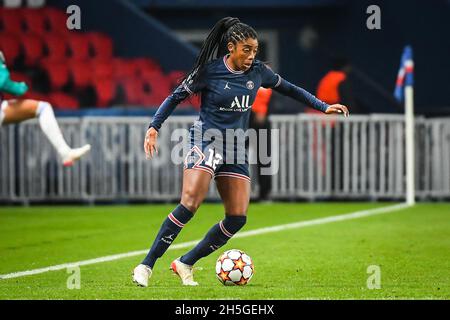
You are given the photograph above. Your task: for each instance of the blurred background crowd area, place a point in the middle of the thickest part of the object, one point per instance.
(130, 54)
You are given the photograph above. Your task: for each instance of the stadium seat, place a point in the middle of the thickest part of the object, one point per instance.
(61, 100)
(11, 20)
(81, 73)
(10, 46)
(82, 63)
(105, 91)
(33, 48)
(154, 90)
(56, 20)
(159, 84)
(78, 45)
(123, 70)
(133, 89)
(175, 77)
(151, 100)
(20, 77)
(102, 69)
(34, 21)
(143, 66)
(101, 45)
(35, 95)
(57, 72)
(55, 46)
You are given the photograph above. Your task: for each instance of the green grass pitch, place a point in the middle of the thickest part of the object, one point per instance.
(325, 261)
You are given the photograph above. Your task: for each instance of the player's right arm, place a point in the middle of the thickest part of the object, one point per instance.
(182, 92)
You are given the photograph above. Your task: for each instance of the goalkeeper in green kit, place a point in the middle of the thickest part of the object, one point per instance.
(18, 110)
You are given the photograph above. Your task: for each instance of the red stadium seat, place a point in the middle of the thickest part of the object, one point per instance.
(123, 70)
(10, 46)
(33, 48)
(175, 78)
(151, 100)
(11, 20)
(192, 101)
(133, 91)
(159, 84)
(56, 46)
(57, 72)
(102, 69)
(20, 77)
(78, 46)
(154, 89)
(144, 66)
(105, 91)
(56, 20)
(81, 73)
(34, 20)
(101, 45)
(35, 96)
(63, 101)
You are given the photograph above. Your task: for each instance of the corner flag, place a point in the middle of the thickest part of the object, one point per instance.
(405, 74)
(404, 91)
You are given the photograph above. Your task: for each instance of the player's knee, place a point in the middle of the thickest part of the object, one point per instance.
(43, 106)
(191, 200)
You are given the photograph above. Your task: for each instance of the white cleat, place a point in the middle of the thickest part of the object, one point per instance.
(184, 271)
(75, 154)
(141, 274)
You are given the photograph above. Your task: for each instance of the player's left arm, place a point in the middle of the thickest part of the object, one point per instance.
(9, 86)
(300, 94)
(14, 88)
(275, 81)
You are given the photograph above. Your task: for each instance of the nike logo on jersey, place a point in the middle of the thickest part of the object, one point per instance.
(227, 86)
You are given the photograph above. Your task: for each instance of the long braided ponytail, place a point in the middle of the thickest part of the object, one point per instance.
(225, 30)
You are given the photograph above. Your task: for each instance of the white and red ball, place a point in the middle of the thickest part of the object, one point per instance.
(234, 267)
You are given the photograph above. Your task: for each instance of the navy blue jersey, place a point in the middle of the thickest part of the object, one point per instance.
(227, 95)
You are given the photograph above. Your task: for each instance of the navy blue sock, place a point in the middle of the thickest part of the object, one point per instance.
(216, 237)
(169, 230)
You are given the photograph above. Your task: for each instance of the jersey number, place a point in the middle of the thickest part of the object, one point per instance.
(213, 159)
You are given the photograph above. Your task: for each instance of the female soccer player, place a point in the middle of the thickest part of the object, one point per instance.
(228, 86)
(18, 110)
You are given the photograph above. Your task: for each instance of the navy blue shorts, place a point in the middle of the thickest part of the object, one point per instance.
(203, 156)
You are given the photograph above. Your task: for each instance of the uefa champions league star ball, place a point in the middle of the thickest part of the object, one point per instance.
(234, 267)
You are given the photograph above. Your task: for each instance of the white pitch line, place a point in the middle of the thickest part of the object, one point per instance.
(294, 225)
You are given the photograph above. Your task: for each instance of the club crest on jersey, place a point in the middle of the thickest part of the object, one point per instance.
(250, 85)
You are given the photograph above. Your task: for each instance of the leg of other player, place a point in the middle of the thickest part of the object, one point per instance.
(20, 110)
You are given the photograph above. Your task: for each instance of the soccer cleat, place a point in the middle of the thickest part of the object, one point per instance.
(75, 154)
(141, 274)
(184, 271)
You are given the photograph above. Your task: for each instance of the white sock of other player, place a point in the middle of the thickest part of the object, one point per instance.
(51, 129)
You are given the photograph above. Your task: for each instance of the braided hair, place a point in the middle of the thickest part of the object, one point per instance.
(224, 31)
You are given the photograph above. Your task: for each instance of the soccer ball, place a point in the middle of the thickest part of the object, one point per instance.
(234, 267)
